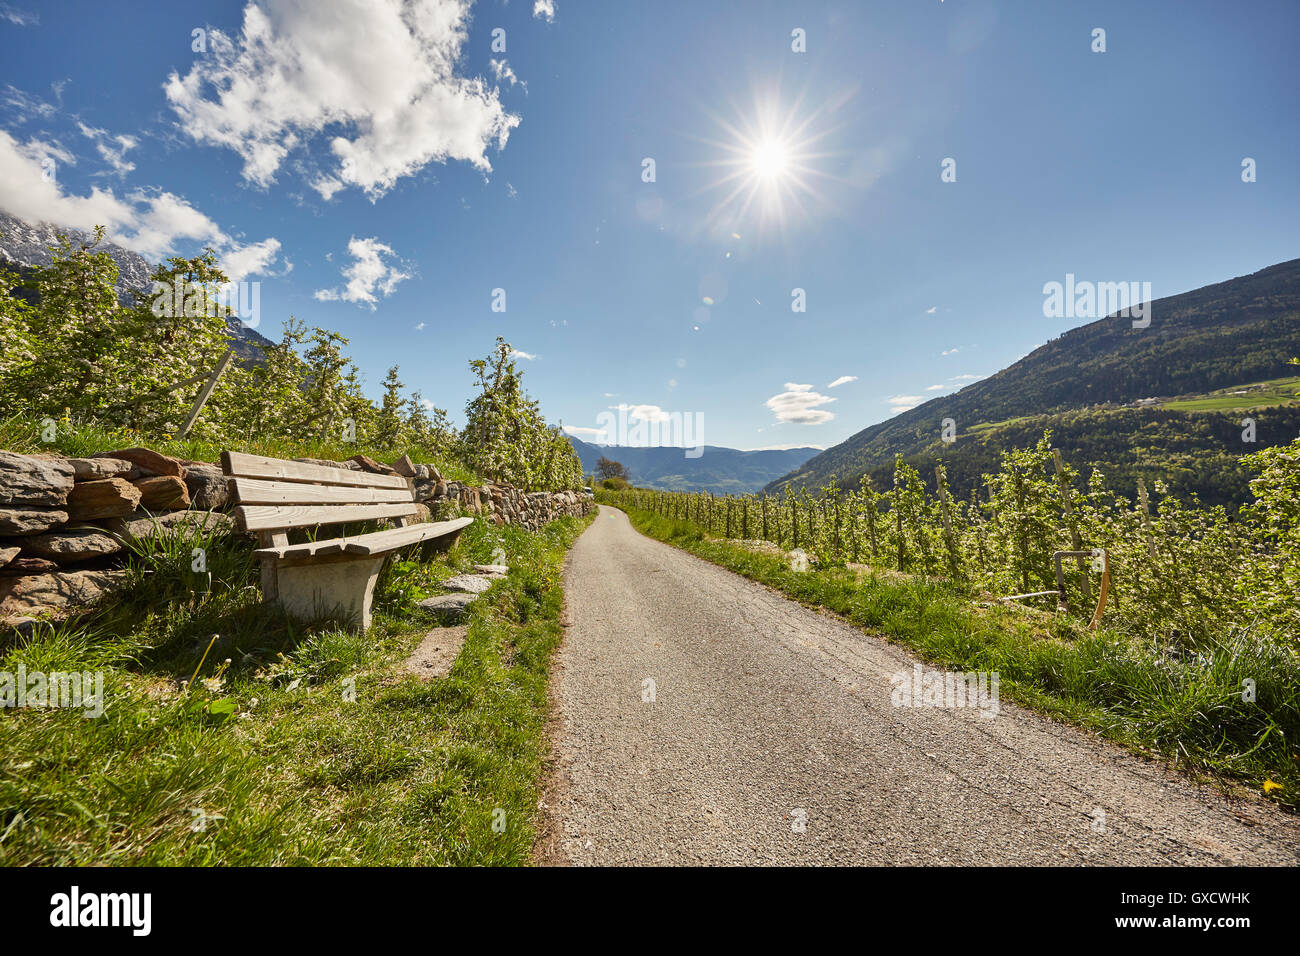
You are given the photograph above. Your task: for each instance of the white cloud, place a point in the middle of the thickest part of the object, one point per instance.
(255, 258)
(149, 221)
(936, 388)
(420, 327)
(544, 9)
(901, 403)
(19, 18)
(587, 432)
(931, 310)
(966, 378)
(950, 352)
(367, 274)
(112, 149)
(520, 354)
(842, 380)
(797, 405)
(378, 74)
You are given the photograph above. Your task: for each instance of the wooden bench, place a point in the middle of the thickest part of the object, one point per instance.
(334, 576)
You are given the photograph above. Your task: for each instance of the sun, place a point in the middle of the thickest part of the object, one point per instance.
(769, 162)
(770, 159)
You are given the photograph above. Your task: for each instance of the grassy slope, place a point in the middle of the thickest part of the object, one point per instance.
(1188, 710)
(409, 773)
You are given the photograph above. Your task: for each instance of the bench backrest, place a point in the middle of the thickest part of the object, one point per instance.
(275, 495)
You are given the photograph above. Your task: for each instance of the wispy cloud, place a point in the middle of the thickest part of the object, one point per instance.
(902, 403)
(842, 380)
(19, 18)
(521, 354)
(112, 149)
(545, 9)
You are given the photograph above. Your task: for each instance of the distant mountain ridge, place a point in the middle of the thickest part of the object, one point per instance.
(26, 247)
(1241, 330)
(718, 470)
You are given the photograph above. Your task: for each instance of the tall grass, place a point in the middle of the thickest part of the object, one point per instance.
(269, 759)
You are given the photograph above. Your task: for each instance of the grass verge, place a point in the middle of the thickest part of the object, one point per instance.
(312, 746)
(1189, 708)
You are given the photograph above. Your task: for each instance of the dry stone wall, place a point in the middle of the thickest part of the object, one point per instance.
(65, 523)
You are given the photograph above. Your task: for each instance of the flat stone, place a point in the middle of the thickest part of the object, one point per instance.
(70, 545)
(470, 583)
(26, 564)
(53, 595)
(7, 555)
(140, 525)
(437, 652)
(88, 469)
(369, 464)
(28, 481)
(102, 498)
(148, 461)
(164, 492)
(449, 608)
(30, 519)
(493, 570)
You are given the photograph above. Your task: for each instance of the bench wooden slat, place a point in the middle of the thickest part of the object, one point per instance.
(239, 465)
(381, 541)
(266, 517)
(256, 491)
(372, 543)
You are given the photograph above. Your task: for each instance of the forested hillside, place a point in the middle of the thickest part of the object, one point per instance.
(1239, 331)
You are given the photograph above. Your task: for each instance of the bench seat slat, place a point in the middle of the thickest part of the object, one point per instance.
(238, 465)
(268, 517)
(374, 543)
(256, 491)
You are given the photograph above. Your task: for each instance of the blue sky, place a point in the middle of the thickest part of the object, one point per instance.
(381, 170)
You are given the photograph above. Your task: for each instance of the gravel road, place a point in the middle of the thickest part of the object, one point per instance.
(771, 738)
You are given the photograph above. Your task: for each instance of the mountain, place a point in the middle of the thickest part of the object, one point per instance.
(1085, 385)
(719, 470)
(25, 246)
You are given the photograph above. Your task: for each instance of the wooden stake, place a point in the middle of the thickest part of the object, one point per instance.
(205, 393)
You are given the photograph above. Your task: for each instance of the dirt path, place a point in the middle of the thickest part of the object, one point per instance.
(772, 738)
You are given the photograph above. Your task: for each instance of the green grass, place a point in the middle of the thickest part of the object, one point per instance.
(1278, 391)
(1186, 707)
(81, 439)
(286, 769)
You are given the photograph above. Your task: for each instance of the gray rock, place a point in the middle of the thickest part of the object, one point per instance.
(70, 545)
(449, 608)
(30, 519)
(470, 583)
(493, 570)
(34, 482)
(209, 489)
